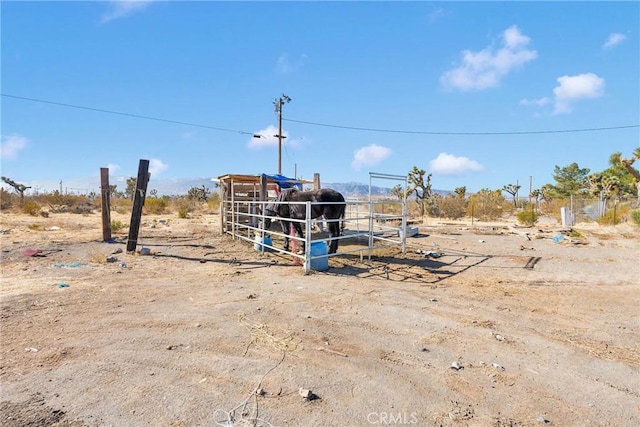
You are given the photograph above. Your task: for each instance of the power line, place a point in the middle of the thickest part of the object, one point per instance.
(362, 129)
(137, 116)
(461, 133)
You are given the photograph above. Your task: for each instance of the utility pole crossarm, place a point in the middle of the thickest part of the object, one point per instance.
(279, 103)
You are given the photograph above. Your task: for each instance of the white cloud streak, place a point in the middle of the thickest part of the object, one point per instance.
(267, 138)
(448, 164)
(613, 40)
(370, 155)
(574, 88)
(156, 167)
(540, 102)
(11, 145)
(285, 65)
(123, 8)
(486, 68)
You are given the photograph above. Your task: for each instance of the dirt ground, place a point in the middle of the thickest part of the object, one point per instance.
(505, 328)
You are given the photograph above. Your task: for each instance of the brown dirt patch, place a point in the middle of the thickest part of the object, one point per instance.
(186, 335)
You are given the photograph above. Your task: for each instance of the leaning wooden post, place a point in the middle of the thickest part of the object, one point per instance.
(138, 203)
(106, 204)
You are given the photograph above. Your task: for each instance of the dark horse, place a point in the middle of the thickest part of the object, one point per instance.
(332, 208)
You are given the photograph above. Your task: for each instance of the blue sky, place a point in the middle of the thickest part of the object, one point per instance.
(473, 92)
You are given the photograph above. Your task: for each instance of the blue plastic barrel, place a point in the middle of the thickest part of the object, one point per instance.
(259, 242)
(319, 250)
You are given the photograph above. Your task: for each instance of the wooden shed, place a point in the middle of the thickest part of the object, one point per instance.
(247, 189)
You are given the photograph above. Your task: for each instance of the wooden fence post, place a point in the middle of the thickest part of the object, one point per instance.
(138, 202)
(106, 204)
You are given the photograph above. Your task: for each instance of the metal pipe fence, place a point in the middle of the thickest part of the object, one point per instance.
(363, 224)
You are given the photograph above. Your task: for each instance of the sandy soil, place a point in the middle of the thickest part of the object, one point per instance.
(207, 331)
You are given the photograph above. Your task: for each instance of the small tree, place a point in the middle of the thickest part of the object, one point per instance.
(617, 158)
(570, 180)
(198, 194)
(20, 188)
(398, 192)
(131, 187)
(485, 204)
(421, 186)
(513, 190)
(461, 192)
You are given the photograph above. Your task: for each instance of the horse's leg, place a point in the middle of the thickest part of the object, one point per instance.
(334, 231)
(285, 230)
(298, 228)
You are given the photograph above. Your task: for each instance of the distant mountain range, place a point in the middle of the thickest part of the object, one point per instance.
(180, 186)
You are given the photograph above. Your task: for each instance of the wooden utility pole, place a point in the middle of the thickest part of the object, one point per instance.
(138, 202)
(279, 103)
(106, 204)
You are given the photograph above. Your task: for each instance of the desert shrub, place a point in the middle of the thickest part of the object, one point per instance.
(615, 215)
(31, 207)
(6, 199)
(155, 205)
(33, 226)
(528, 216)
(635, 216)
(486, 204)
(117, 225)
(121, 205)
(183, 213)
(214, 202)
(65, 202)
(552, 207)
(453, 206)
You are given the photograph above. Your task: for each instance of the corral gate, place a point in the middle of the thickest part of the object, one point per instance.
(371, 224)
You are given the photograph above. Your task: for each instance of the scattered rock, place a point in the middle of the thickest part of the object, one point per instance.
(457, 366)
(307, 394)
(542, 420)
(112, 259)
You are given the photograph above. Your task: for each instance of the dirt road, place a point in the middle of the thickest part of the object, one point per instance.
(501, 330)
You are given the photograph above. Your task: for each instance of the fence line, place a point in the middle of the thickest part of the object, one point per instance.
(246, 218)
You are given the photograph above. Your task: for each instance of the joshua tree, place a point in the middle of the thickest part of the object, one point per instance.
(419, 186)
(513, 190)
(20, 188)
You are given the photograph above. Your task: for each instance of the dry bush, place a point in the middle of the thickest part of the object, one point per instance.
(7, 199)
(155, 205)
(615, 215)
(30, 207)
(121, 205)
(453, 207)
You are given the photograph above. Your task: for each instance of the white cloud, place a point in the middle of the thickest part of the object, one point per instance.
(613, 40)
(123, 8)
(112, 168)
(369, 156)
(573, 88)
(436, 15)
(156, 167)
(267, 138)
(540, 102)
(11, 145)
(287, 66)
(448, 164)
(484, 69)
